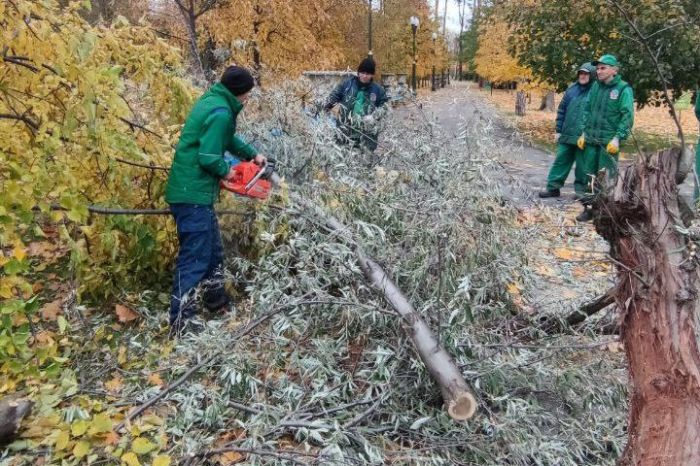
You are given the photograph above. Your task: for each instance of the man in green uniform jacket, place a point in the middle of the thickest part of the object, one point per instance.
(569, 126)
(697, 148)
(608, 120)
(193, 187)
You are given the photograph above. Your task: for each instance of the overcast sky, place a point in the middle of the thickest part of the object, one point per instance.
(452, 14)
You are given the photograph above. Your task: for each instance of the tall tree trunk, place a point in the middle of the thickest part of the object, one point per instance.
(656, 293)
(190, 18)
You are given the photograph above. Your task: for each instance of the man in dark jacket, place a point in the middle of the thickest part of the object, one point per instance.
(608, 120)
(568, 128)
(193, 186)
(361, 101)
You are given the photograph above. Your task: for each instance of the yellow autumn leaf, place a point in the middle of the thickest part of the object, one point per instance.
(161, 460)
(154, 379)
(114, 385)
(100, 423)
(513, 289)
(81, 449)
(563, 253)
(121, 355)
(6, 288)
(142, 446)
(62, 440)
(130, 459)
(78, 428)
(19, 253)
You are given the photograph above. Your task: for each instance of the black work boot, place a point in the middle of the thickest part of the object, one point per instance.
(549, 193)
(586, 215)
(217, 301)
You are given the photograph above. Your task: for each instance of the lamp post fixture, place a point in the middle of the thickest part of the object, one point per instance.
(415, 22)
(369, 30)
(433, 87)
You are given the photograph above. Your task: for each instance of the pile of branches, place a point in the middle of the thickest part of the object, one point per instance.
(332, 377)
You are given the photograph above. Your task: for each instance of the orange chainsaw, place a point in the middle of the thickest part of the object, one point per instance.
(250, 179)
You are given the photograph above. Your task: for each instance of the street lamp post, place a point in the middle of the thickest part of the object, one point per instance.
(415, 22)
(433, 88)
(369, 30)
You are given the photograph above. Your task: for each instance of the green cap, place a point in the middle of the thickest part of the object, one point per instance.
(609, 60)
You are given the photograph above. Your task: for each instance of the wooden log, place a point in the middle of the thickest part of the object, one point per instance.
(459, 401)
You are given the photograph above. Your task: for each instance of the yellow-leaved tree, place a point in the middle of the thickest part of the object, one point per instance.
(75, 100)
(493, 59)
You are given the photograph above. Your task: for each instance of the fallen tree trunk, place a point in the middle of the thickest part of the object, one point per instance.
(656, 293)
(459, 401)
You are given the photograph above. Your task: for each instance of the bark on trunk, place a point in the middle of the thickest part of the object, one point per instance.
(459, 401)
(520, 103)
(656, 294)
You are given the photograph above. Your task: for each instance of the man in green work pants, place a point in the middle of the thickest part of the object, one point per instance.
(607, 121)
(569, 127)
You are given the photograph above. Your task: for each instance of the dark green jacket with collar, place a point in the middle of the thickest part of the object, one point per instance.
(609, 112)
(208, 133)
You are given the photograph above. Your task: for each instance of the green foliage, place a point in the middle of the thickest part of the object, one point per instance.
(470, 45)
(555, 37)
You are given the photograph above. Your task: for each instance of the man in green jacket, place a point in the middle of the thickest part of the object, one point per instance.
(193, 186)
(569, 126)
(608, 120)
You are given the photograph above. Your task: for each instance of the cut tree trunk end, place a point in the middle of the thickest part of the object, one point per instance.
(656, 293)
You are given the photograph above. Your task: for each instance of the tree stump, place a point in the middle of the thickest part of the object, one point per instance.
(520, 103)
(548, 102)
(656, 294)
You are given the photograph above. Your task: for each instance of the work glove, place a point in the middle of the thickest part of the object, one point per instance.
(368, 119)
(581, 143)
(556, 137)
(614, 146)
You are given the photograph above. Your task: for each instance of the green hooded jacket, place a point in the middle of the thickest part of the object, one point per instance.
(570, 111)
(208, 133)
(609, 112)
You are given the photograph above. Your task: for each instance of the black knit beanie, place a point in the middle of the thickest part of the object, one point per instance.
(238, 80)
(367, 66)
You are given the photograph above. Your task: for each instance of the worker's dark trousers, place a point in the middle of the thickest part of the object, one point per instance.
(200, 260)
